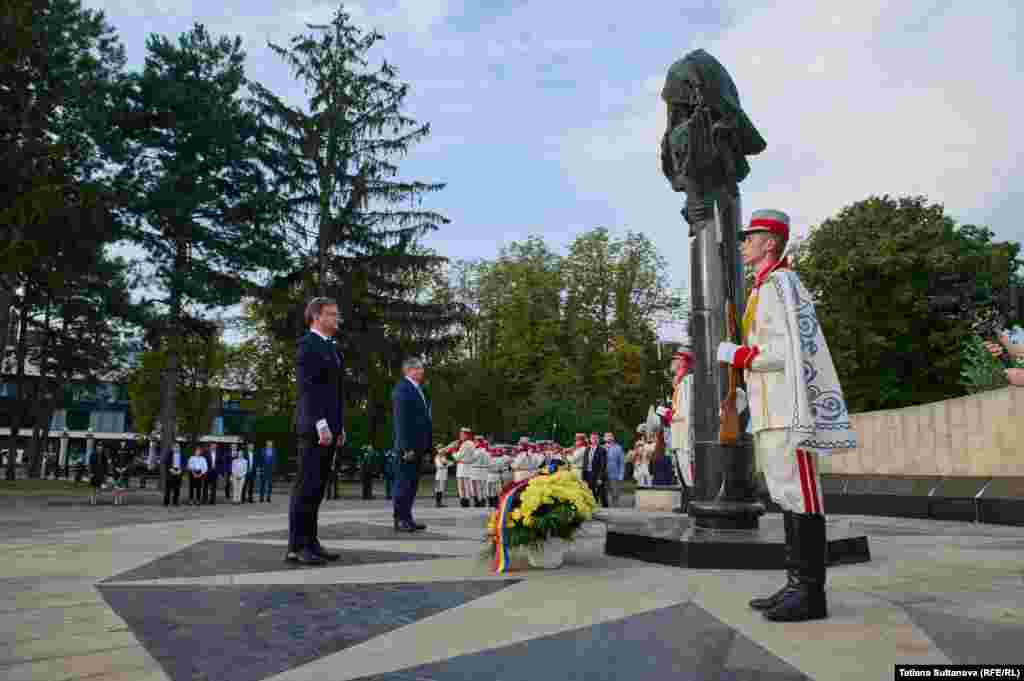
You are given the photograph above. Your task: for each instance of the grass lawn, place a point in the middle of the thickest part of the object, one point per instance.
(33, 487)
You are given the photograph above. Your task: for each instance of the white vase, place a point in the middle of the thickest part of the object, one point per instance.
(548, 555)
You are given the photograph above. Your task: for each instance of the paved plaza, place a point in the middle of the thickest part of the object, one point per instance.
(144, 593)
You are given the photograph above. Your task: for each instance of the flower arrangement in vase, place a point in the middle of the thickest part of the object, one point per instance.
(542, 515)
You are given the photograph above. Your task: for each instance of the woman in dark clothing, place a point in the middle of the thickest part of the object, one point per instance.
(661, 466)
(98, 466)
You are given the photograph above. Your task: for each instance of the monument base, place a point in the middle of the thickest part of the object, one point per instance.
(677, 541)
(726, 515)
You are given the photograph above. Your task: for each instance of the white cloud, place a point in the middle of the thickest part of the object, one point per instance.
(868, 100)
(421, 16)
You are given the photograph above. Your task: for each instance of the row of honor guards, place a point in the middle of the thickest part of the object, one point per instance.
(243, 473)
(482, 469)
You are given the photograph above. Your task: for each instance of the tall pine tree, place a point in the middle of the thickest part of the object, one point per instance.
(190, 173)
(353, 219)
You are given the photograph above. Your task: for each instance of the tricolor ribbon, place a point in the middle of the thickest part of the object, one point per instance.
(505, 504)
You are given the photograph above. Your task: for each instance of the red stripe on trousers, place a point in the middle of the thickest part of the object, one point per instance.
(808, 505)
(812, 476)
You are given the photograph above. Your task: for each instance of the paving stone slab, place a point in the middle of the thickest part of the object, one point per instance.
(967, 640)
(681, 642)
(214, 557)
(360, 531)
(250, 633)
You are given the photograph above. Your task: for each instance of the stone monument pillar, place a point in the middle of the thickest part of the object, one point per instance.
(704, 155)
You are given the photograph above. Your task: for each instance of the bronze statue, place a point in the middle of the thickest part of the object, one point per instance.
(708, 138)
(703, 153)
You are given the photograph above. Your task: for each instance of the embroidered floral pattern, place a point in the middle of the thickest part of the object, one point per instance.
(820, 411)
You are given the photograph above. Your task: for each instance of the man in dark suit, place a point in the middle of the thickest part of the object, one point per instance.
(319, 369)
(413, 441)
(209, 453)
(595, 469)
(175, 467)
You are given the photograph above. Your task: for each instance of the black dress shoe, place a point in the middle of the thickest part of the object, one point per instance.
(326, 555)
(309, 558)
(402, 526)
(419, 526)
(291, 557)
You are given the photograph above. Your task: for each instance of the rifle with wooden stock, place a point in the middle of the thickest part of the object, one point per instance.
(729, 418)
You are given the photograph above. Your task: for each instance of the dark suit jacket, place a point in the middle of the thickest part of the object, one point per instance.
(319, 368)
(413, 426)
(211, 472)
(223, 461)
(169, 460)
(599, 464)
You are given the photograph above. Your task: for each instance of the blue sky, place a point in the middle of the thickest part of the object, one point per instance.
(546, 118)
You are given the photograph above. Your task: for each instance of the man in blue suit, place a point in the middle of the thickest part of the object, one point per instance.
(319, 369)
(412, 441)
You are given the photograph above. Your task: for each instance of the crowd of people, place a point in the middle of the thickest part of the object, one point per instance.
(482, 469)
(243, 472)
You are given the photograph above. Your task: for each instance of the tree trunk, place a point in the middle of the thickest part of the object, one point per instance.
(18, 414)
(42, 411)
(7, 298)
(169, 375)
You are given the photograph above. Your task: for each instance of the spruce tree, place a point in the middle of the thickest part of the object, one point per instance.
(353, 222)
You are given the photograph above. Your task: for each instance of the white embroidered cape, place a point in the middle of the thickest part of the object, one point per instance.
(821, 421)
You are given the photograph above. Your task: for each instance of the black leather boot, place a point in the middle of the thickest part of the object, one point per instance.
(437, 498)
(463, 502)
(805, 600)
(768, 602)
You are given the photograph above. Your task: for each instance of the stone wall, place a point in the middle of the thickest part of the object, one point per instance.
(979, 435)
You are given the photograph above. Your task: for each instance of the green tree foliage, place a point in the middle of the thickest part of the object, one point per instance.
(57, 64)
(354, 224)
(202, 371)
(981, 371)
(189, 152)
(871, 269)
(556, 344)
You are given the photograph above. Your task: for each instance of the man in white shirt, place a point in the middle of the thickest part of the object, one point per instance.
(239, 468)
(250, 475)
(196, 477)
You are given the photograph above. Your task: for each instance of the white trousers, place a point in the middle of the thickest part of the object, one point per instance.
(791, 473)
(642, 475)
(236, 488)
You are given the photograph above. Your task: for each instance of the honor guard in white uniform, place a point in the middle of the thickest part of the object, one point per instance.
(442, 459)
(537, 458)
(797, 410)
(506, 466)
(494, 477)
(463, 460)
(578, 453)
(641, 458)
(522, 464)
(478, 471)
(681, 429)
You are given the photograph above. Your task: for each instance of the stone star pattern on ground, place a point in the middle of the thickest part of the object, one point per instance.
(210, 598)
